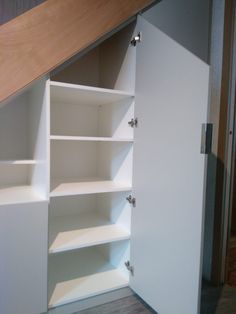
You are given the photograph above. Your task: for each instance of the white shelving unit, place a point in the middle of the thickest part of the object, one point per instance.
(68, 190)
(103, 150)
(91, 175)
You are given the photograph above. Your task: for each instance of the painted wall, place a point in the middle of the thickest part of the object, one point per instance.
(9, 9)
(186, 21)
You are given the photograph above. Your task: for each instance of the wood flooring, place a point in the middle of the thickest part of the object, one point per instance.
(232, 262)
(215, 300)
(227, 302)
(129, 305)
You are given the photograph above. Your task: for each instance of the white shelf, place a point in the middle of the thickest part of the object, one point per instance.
(78, 231)
(18, 194)
(89, 138)
(87, 187)
(18, 162)
(85, 95)
(81, 276)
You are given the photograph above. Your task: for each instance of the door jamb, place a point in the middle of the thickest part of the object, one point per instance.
(224, 154)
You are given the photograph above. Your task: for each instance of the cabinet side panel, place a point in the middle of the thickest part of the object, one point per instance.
(23, 261)
(39, 135)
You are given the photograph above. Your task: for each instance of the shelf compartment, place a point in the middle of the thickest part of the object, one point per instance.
(23, 142)
(87, 187)
(82, 118)
(78, 231)
(18, 194)
(78, 275)
(111, 64)
(83, 167)
(89, 138)
(16, 182)
(86, 95)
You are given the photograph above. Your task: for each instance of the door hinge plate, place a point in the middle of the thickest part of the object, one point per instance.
(133, 123)
(206, 138)
(136, 39)
(129, 267)
(131, 200)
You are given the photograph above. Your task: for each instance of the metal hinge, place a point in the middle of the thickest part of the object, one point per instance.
(133, 123)
(129, 267)
(136, 39)
(206, 138)
(131, 200)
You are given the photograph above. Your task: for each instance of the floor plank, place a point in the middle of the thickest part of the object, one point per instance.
(128, 305)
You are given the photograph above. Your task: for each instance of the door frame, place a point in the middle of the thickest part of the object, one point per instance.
(230, 148)
(224, 142)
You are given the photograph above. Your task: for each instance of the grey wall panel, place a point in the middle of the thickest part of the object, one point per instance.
(186, 21)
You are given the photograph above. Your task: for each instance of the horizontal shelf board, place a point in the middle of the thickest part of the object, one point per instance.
(18, 162)
(73, 278)
(88, 286)
(85, 95)
(89, 138)
(87, 187)
(18, 194)
(78, 231)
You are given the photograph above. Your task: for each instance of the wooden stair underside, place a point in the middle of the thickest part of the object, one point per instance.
(39, 40)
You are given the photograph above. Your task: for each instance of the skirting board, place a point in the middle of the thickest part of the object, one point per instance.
(91, 302)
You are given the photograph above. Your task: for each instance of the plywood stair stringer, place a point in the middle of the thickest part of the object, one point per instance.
(38, 41)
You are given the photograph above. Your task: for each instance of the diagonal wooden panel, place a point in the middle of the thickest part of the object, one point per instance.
(36, 42)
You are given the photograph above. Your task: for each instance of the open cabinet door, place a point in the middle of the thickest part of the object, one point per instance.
(171, 105)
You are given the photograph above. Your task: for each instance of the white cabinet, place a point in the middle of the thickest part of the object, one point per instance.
(23, 261)
(24, 202)
(112, 141)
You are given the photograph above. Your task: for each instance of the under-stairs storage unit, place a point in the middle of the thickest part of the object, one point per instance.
(101, 163)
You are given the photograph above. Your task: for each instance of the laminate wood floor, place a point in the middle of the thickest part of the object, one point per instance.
(220, 300)
(128, 305)
(227, 302)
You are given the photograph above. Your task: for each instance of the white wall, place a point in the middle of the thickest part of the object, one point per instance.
(186, 21)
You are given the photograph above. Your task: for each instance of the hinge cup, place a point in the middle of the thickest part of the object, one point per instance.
(133, 122)
(129, 267)
(131, 200)
(136, 39)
